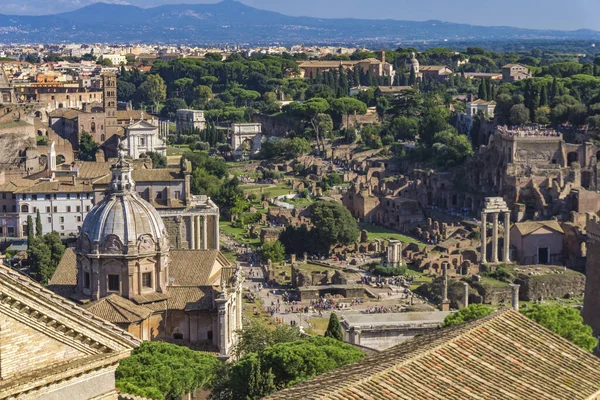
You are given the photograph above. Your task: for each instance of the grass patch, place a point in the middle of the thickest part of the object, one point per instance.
(378, 232)
(263, 318)
(177, 150)
(318, 326)
(239, 234)
(270, 191)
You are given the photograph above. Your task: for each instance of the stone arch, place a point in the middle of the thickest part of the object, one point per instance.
(572, 157)
(60, 159)
(38, 114)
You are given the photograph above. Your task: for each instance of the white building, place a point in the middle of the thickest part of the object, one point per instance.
(143, 137)
(246, 139)
(486, 107)
(189, 120)
(116, 59)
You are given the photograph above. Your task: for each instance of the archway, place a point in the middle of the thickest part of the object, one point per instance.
(60, 159)
(572, 157)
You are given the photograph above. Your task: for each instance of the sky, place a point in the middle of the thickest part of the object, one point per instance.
(537, 14)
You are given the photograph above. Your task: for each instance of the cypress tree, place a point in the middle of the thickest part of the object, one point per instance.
(334, 329)
(30, 231)
(482, 94)
(412, 78)
(555, 90)
(39, 231)
(488, 83)
(544, 96)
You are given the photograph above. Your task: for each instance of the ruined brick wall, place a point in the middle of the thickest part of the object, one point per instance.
(551, 286)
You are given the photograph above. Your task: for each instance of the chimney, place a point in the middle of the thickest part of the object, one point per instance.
(465, 294)
(515, 296)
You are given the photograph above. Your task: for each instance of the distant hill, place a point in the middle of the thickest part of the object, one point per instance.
(232, 22)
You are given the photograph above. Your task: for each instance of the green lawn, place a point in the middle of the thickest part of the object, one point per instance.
(177, 150)
(378, 232)
(318, 326)
(270, 191)
(239, 234)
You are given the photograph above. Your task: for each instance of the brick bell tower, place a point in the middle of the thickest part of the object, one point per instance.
(109, 89)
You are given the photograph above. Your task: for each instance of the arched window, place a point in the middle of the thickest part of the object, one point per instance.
(24, 208)
(102, 138)
(93, 127)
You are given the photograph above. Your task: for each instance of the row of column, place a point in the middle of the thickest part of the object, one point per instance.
(199, 232)
(198, 236)
(506, 250)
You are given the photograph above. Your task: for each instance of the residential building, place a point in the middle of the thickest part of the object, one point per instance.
(486, 107)
(514, 72)
(378, 67)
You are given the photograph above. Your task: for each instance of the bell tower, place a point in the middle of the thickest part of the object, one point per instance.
(109, 89)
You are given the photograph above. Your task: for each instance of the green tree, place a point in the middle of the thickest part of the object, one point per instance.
(153, 90)
(125, 90)
(348, 105)
(57, 249)
(256, 337)
(333, 225)
(519, 114)
(158, 160)
(382, 107)
(273, 251)
(470, 313)
(482, 94)
(30, 231)
(313, 109)
(39, 230)
(203, 95)
(40, 260)
(87, 147)
(171, 106)
(564, 321)
(164, 371)
(334, 329)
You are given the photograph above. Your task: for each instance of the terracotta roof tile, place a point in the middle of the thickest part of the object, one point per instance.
(503, 356)
(194, 267)
(64, 279)
(526, 228)
(190, 298)
(118, 310)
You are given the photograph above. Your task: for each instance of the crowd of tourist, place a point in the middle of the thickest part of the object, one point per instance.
(534, 130)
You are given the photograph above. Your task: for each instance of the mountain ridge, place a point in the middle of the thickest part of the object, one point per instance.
(230, 21)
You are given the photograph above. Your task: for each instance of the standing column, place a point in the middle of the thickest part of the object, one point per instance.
(483, 237)
(198, 232)
(192, 233)
(465, 294)
(204, 233)
(495, 239)
(445, 287)
(515, 297)
(216, 232)
(506, 257)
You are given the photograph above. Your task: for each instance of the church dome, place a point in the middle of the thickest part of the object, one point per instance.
(123, 222)
(413, 63)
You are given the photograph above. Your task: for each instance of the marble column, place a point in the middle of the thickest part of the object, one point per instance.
(192, 234)
(495, 239)
(204, 233)
(465, 294)
(445, 284)
(515, 297)
(506, 256)
(199, 229)
(216, 232)
(483, 238)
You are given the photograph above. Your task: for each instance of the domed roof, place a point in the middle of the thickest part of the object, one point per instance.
(414, 61)
(123, 222)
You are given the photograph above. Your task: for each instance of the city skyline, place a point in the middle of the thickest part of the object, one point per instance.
(514, 13)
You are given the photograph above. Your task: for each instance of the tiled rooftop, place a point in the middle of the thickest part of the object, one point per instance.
(502, 356)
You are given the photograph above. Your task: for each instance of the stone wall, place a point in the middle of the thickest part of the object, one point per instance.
(553, 286)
